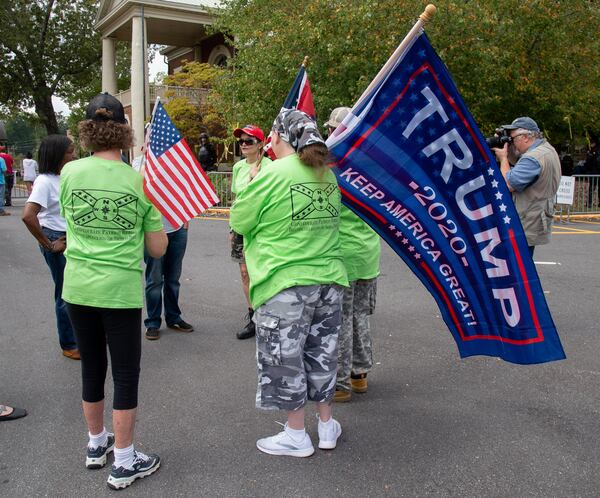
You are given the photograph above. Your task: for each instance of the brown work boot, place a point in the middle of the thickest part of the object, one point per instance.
(341, 396)
(358, 382)
(73, 354)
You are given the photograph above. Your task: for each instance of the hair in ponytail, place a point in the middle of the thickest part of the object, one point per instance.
(315, 155)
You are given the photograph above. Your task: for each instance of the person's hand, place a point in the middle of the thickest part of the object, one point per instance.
(502, 153)
(231, 235)
(59, 245)
(254, 169)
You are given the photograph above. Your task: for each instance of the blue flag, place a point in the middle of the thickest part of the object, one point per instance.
(412, 163)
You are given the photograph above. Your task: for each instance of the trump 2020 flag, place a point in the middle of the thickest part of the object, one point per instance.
(413, 164)
(299, 97)
(174, 181)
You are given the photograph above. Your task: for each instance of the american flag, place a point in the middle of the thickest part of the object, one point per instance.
(174, 181)
(299, 97)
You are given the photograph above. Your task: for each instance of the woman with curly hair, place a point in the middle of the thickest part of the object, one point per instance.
(109, 221)
(289, 217)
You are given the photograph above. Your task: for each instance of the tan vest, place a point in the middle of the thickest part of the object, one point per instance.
(535, 204)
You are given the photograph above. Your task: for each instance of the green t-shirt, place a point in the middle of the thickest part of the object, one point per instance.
(241, 174)
(361, 247)
(289, 217)
(107, 214)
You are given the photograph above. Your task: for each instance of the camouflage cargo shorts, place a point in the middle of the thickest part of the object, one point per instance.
(237, 247)
(296, 346)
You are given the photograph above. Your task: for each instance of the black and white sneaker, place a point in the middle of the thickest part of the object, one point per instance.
(143, 465)
(96, 458)
(181, 326)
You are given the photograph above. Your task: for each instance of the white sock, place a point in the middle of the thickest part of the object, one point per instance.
(99, 439)
(326, 424)
(124, 457)
(295, 434)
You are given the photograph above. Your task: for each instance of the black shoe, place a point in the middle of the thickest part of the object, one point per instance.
(152, 334)
(181, 326)
(96, 458)
(248, 331)
(143, 465)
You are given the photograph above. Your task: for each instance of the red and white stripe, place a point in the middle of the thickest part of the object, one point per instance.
(177, 185)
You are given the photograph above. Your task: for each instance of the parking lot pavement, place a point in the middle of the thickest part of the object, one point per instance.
(430, 424)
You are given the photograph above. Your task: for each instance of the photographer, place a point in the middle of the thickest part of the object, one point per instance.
(533, 180)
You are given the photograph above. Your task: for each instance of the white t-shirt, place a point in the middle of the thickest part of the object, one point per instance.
(30, 167)
(45, 192)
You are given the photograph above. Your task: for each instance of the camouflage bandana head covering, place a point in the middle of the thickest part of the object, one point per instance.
(297, 129)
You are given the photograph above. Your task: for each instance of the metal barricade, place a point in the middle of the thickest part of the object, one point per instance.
(221, 180)
(19, 190)
(586, 199)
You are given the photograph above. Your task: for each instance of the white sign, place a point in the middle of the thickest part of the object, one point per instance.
(566, 190)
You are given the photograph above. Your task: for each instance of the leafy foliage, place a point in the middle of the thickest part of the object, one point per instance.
(508, 57)
(47, 47)
(192, 118)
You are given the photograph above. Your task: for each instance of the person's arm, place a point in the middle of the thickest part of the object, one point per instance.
(156, 243)
(30, 212)
(502, 157)
(248, 205)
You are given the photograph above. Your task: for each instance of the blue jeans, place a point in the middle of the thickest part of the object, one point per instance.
(1, 195)
(56, 262)
(162, 277)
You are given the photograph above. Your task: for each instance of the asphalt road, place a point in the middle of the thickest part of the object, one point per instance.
(430, 425)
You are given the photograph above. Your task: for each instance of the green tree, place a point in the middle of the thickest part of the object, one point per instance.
(192, 117)
(47, 47)
(508, 57)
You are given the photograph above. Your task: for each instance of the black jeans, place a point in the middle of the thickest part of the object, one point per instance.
(121, 329)
(10, 181)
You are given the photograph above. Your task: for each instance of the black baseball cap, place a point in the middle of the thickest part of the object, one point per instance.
(112, 106)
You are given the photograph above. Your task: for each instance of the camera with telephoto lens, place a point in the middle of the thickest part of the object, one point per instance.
(498, 139)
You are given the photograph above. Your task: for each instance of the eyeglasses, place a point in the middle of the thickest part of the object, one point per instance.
(247, 141)
(519, 135)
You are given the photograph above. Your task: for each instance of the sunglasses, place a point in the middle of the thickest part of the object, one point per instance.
(247, 141)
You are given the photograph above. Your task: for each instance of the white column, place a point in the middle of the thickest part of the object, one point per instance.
(148, 108)
(138, 78)
(109, 75)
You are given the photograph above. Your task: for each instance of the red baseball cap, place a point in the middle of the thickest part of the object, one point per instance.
(252, 130)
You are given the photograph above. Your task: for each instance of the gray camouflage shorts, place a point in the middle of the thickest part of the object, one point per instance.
(296, 346)
(237, 247)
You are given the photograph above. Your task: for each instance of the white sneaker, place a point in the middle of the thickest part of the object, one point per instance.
(284, 444)
(329, 434)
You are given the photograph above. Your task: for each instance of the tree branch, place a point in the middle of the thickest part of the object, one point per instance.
(45, 28)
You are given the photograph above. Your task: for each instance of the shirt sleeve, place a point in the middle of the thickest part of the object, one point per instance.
(40, 193)
(152, 220)
(248, 205)
(2, 165)
(526, 171)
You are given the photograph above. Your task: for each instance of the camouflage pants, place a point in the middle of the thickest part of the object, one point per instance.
(237, 246)
(296, 346)
(355, 348)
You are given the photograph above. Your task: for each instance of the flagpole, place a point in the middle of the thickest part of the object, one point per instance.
(413, 33)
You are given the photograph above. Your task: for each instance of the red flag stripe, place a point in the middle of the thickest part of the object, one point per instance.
(202, 187)
(179, 175)
(165, 174)
(175, 221)
(199, 174)
(164, 204)
(158, 180)
(167, 209)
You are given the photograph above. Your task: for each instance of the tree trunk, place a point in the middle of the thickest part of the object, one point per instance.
(45, 111)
